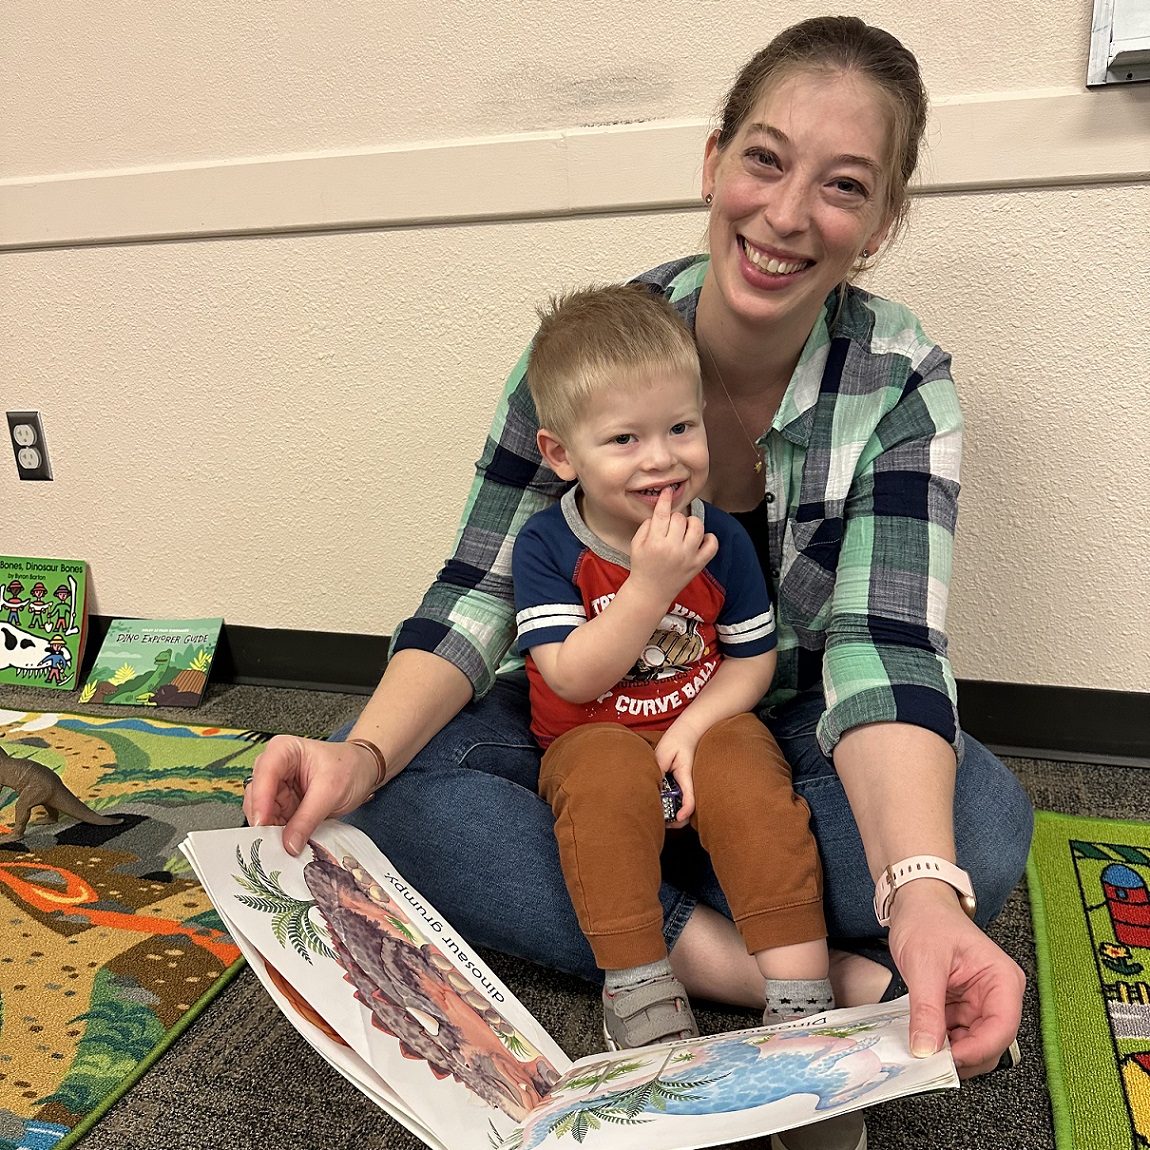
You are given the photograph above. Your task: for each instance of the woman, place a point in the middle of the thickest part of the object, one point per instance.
(835, 433)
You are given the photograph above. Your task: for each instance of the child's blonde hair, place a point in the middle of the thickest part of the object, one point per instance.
(596, 338)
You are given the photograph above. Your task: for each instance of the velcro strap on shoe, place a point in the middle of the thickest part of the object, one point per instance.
(634, 999)
(667, 1023)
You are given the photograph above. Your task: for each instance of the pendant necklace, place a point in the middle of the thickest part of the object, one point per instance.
(731, 404)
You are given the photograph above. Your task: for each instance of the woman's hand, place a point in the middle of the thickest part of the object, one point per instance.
(961, 983)
(297, 783)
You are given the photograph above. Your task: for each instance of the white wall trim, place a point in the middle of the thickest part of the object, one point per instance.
(1035, 139)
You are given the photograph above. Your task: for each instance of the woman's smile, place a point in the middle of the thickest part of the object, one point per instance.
(768, 265)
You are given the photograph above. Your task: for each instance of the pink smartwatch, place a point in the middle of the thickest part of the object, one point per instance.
(920, 866)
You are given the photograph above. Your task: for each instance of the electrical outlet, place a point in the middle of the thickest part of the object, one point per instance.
(26, 433)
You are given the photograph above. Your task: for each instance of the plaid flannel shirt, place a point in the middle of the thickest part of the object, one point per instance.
(860, 498)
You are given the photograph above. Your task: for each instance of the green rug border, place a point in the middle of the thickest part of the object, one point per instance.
(1048, 1019)
(152, 1057)
(1100, 829)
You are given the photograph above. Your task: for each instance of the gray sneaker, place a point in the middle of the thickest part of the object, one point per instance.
(653, 1011)
(842, 1132)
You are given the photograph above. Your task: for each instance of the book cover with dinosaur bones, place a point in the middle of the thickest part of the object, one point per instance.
(153, 662)
(44, 622)
(385, 989)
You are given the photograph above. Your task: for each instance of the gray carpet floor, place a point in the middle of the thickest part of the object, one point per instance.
(241, 1077)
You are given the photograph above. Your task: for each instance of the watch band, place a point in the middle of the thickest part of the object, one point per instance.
(920, 866)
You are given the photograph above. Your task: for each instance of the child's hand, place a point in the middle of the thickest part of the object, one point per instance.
(669, 550)
(675, 755)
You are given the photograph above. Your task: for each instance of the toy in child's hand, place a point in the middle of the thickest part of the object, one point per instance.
(672, 796)
(37, 785)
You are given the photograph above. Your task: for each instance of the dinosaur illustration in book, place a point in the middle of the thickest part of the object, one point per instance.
(837, 1065)
(414, 992)
(138, 692)
(36, 785)
(21, 650)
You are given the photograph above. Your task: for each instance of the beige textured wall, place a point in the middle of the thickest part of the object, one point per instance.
(280, 428)
(117, 83)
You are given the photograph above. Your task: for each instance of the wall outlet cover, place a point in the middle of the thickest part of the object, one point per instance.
(26, 434)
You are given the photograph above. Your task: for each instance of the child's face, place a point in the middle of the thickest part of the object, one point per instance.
(633, 441)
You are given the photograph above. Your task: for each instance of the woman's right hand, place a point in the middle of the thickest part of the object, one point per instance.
(297, 783)
(961, 983)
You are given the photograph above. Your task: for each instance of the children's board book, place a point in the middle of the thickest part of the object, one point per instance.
(153, 662)
(45, 621)
(386, 990)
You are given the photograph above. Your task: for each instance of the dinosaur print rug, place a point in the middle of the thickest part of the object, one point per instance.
(111, 947)
(1089, 882)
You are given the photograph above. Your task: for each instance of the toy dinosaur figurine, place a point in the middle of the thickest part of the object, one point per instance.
(37, 785)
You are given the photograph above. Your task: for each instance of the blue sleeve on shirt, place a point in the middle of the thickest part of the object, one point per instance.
(548, 605)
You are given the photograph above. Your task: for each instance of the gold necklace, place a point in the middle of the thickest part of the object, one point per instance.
(731, 404)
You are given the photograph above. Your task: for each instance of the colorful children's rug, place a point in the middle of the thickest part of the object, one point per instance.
(1089, 885)
(110, 948)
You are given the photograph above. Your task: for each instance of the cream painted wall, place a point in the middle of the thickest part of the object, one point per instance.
(236, 422)
(120, 83)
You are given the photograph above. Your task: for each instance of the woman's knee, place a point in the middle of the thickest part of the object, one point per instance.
(993, 821)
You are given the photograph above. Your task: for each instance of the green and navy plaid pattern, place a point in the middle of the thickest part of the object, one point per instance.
(860, 494)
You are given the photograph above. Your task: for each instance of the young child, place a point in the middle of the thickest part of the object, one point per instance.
(648, 635)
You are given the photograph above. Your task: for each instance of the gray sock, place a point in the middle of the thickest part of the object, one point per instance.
(789, 998)
(632, 975)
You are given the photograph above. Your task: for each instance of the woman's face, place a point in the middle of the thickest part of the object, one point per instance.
(798, 193)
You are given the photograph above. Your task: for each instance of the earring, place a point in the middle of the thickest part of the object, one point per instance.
(707, 199)
(866, 253)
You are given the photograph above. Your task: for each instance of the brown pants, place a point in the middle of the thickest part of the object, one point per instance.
(603, 784)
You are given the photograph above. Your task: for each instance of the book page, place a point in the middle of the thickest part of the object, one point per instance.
(744, 1084)
(358, 953)
(336, 1052)
(387, 991)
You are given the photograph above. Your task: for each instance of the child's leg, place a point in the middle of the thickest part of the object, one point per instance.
(797, 980)
(603, 785)
(756, 830)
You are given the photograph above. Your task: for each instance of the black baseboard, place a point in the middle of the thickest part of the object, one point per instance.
(311, 660)
(275, 657)
(1074, 724)
(1077, 724)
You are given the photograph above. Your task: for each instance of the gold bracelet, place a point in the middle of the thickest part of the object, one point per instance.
(380, 764)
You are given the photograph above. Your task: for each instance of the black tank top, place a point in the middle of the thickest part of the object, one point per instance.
(756, 524)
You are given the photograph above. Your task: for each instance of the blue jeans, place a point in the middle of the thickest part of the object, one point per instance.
(464, 824)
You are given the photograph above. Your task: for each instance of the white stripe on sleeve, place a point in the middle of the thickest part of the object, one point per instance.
(749, 630)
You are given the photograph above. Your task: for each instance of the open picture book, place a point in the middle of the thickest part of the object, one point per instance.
(389, 993)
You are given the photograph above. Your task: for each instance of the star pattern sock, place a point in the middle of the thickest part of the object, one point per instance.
(789, 998)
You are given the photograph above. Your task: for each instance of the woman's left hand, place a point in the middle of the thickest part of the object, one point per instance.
(961, 983)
